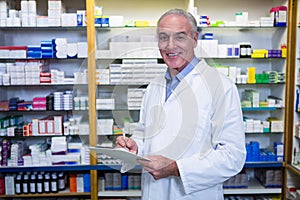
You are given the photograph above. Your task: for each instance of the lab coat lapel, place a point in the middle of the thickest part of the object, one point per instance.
(178, 90)
(185, 96)
(185, 83)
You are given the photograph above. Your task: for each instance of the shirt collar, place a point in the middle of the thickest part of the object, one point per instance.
(185, 70)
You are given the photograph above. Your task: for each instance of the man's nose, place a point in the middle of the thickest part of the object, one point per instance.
(171, 42)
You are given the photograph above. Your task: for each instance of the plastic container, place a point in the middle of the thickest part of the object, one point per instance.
(40, 183)
(54, 183)
(32, 184)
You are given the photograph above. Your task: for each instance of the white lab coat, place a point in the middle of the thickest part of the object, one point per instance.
(200, 126)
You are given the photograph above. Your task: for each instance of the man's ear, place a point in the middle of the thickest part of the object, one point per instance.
(195, 39)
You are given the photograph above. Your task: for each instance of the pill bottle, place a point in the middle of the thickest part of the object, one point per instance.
(25, 184)
(54, 182)
(18, 187)
(47, 183)
(32, 184)
(39, 184)
(61, 181)
(243, 50)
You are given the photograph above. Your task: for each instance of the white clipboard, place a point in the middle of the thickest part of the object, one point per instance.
(120, 153)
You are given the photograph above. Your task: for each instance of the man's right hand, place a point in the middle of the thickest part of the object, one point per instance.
(130, 144)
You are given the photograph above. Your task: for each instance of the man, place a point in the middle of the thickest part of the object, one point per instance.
(190, 124)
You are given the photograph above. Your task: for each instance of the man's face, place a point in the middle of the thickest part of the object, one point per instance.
(176, 41)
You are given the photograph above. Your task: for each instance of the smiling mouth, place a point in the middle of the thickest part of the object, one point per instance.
(172, 54)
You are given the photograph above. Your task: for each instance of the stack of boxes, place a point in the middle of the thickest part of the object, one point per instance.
(47, 49)
(17, 73)
(105, 126)
(37, 156)
(81, 103)
(270, 178)
(5, 150)
(125, 46)
(117, 181)
(203, 21)
(268, 53)
(28, 13)
(276, 125)
(136, 71)
(27, 16)
(80, 182)
(85, 155)
(134, 98)
(250, 98)
(23, 73)
(266, 21)
(55, 10)
(252, 151)
(9, 124)
(210, 48)
(13, 19)
(72, 127)
(61, 154)
(61, 48)
(279, 15)
(81, 77)
(14, 125)
(14, 52)
(105, 104)
(39, 103)
(3, 13)
(102, 76)
(57, 77)
(51, 125)
(251, 76)
(9, 185)
(238, 181)
(32, 73)
(262, 78)
(63, 100)
(257, 154)
(241, 18)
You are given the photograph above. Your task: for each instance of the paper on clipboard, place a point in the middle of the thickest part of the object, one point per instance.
(120, 153)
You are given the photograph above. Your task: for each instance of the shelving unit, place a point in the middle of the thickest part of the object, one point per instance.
(260, 37)
(266, 38)
(98, 40)
(129, 193)
(293, 171)
(25, 36)
(254, 187)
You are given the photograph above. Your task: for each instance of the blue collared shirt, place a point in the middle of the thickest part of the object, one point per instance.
(171, 83)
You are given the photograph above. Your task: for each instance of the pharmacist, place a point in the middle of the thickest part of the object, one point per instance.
(190, 124)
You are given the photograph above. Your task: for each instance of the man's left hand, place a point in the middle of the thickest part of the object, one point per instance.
(160, 166)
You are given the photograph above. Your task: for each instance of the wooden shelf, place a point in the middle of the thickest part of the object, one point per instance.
(121, 193)
(65, 193)
(58, 168)
(260, 108)
(263, 164)
(254, 187)
(294, 168)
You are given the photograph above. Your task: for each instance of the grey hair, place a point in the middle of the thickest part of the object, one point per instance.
(183, 13)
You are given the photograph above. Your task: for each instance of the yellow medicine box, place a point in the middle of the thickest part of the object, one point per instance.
(259, 55)
(251, 74)
(141, 23)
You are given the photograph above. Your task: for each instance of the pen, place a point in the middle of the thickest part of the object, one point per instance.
(124, 137)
